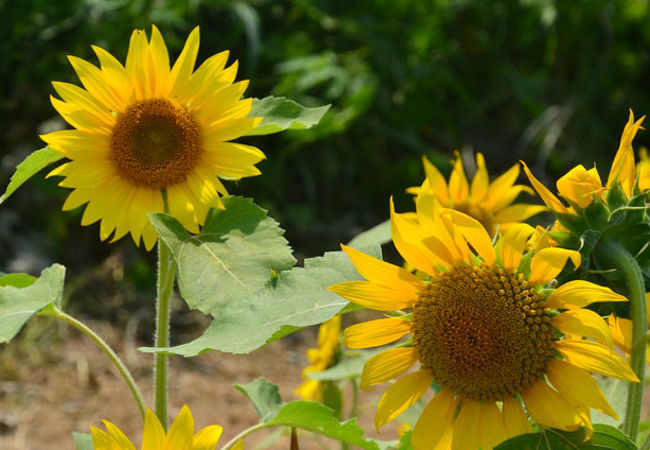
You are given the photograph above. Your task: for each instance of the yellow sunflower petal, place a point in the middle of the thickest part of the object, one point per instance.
(153, 437)
(623, 169)
(436, 181)
(435, 421)
(578, 386)
(475, 233)
(373, 296)
(595, 357)
(375, 333)
(207, 438)
(579, 185)
(481, 181)
(458, 185)
(101, 441)
(159, 64)
(514, 418)
(466, 426)
(548, 408)
(184, 65)
(387, 365)
(400, 395)
(81, 98)
(491, 426)
(547, 263)
(500, 188)
(136, 66)
(579, 293)
(622, 333)
(180, 434)
(583, 322)
(382, 273)
(546, 195)
(119, 439)
(115, 75)
(513, 244)
(93, 80)
(518, 213)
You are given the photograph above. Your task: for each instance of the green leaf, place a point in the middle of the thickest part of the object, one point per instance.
(605, 437)
(19, 280)
(232, 258)
(29, 167)
(350, 366)
(18, 305)
(264, 395)
(83, 441)
(299, 298)
(377, 235)
(320, 419)
(283, 114)
(615, 391)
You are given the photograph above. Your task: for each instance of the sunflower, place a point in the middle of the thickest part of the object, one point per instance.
(489, 203)
(320, 358)
(484, 327)
(180, 436)
(148, 137)
(580, 186)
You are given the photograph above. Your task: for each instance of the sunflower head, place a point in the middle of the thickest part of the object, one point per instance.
(180, 435)
(321, 358)
(484, 325)
(149, 136)
(491, 203)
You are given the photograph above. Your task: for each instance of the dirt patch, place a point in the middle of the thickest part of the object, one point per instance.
(54, 385)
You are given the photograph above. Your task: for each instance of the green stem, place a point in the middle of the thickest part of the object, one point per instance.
(629, 268)
(231, 443)
(121, 368)
(165, 287)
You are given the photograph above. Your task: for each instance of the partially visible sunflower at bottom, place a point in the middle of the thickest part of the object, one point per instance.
(485, 328)
(180, 435)
(320, 358)
(492, 204)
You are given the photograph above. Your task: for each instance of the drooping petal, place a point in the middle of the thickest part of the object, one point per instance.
(548, 408)
(375, 333)
(466, 426)
(580, 293)
(514, 417)
(401, 395)
(595, 357)
(551, 200)
(435, 421)
(547, 263)
(513, 244)
(578, 386)
(373, 296)
(386, 366)
(583, 322)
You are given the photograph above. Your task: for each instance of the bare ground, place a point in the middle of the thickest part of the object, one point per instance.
(59, 382)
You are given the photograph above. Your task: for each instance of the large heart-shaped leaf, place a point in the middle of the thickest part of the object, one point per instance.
(605, 437)
(293, 299)
(233, 257)
(18, 303)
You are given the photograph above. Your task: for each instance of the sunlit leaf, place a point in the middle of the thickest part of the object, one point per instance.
(34, 163)
(19, 304)
(299, 298)
(283, 114)
(234, 256)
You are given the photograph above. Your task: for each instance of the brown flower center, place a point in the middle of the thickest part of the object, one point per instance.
(483, 332)
(155, 143)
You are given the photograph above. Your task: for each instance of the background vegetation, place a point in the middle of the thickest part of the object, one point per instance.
(546, 81)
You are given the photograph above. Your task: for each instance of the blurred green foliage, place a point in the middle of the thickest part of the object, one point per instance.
(541, 80)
